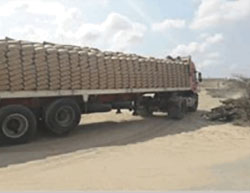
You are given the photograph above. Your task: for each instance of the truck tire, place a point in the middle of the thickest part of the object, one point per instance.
(196, 103)
(62, 116)
(177, 110)
(143, 107)
(17, 124)
(144, 111)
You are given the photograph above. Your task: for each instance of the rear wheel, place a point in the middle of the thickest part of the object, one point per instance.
(177, 109)
(17, 124)
(62, 116)
(143, 107)
(143, 111)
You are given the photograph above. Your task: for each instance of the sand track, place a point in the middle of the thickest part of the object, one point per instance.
(115, 130)
(123, 152)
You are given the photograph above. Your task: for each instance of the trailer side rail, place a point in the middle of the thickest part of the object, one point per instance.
(84, 93)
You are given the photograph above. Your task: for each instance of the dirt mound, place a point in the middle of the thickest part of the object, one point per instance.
(231, 110)
(234, 109)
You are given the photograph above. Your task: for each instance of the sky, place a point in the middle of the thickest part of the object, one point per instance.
(215, 33)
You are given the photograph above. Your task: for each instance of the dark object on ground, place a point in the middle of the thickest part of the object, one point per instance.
(231, 110)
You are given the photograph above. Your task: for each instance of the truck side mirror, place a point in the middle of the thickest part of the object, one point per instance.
(199, 77)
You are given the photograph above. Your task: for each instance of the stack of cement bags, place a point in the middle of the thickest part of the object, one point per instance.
(110, 72)
(28, 66)
(4, 75)
(84, 69)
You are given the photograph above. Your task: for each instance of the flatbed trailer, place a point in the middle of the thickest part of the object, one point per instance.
(84, 93)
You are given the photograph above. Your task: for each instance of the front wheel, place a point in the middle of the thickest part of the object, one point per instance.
(17, 124)
(62, 116)
(194, 107)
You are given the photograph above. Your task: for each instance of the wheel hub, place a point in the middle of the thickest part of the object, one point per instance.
(64, 116)
(15, 125)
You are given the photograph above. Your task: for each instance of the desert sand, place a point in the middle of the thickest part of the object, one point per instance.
(123, 152)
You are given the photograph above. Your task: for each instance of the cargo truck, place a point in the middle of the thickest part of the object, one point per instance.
(51, 85)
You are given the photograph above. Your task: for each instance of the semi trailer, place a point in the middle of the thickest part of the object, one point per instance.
(52, 85)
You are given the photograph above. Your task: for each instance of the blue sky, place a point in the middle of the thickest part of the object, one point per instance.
(213, 32)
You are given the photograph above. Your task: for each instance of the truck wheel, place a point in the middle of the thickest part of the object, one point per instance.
(62, 116)
(143, 107)
(177, 110)
(196, 103)
(144, 112)
(18, 124)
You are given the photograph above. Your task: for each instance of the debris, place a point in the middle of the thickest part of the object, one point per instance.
(231, 110)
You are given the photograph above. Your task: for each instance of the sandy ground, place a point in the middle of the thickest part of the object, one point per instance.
(122, 152)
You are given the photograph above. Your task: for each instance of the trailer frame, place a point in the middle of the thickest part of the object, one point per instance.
(85, 93)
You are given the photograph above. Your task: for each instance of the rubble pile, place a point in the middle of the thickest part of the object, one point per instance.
(231, 110)
(234, 109)
(27, 66)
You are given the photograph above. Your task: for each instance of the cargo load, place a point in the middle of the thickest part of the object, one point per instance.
(31, 66)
